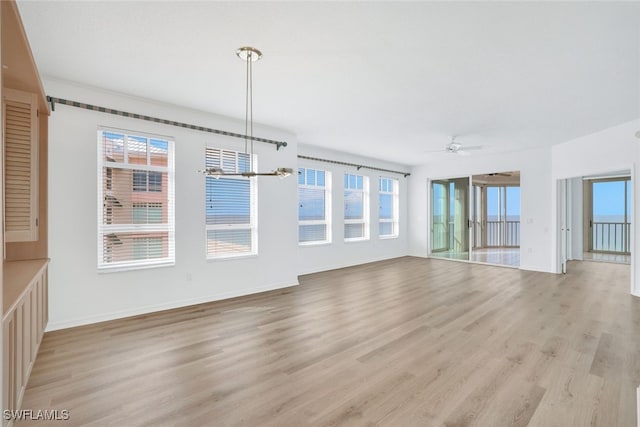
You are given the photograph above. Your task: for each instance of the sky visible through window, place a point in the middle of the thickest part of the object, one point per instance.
(609, 201)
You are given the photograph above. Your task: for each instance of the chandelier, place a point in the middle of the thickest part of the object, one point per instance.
(249, 55)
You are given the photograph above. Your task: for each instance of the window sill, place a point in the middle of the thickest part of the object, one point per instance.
(360, 239)
(230, 257)
(387, 237)
(119, 269)
(306, 244)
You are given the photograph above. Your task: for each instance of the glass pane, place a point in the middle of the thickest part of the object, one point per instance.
(311, 177)
(386, 206)
(512, 226)
(124, 247)
(386, 229)
(353, 231)
(228, 242)
(228, 201)
(155, 181)
(229, 161)
(244, 162)
(139, 181)
(450, 233)
(311, 204)
(137, 150)
(312, 233)
(113, 147)
(159, 152)
(608, 228)
(352, 181)
(359, 182)
(301, 176)
(320, 178)
(353, 204)
(439, 216)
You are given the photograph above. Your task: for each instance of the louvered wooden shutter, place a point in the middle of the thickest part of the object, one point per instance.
(21, 166)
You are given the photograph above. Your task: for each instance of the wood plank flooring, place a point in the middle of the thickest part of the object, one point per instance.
(403, 342)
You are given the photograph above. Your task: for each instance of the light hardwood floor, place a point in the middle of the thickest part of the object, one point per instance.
(404, 342)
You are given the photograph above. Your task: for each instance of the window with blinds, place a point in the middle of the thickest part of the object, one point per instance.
(388, 195)
(356, 207)
(21, 166)
(230, 206)
(314, 206)
(136, 223)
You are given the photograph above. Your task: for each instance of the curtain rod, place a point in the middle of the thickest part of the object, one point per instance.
(53, 100)
(336, 162)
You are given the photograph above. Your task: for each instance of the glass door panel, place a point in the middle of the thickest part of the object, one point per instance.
(450, 218)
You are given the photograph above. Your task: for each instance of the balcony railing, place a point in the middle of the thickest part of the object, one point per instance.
(499, 234)
(611, 237)
(503, 233)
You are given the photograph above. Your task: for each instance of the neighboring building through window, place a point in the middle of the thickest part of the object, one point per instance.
(356, 207)
(136, 226)
(230, 206)
(314, 206)
(388, 207)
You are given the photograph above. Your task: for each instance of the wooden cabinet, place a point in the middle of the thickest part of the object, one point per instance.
(21, 165)
(23, 204)
(25, 298)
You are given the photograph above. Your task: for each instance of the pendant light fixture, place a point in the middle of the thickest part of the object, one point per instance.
(249, 55)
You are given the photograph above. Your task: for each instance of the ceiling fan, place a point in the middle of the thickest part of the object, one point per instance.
(498, 174)
(454, 147)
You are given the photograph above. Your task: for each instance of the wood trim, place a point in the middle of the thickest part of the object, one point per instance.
(21, 72)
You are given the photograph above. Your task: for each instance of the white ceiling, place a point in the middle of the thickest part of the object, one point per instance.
(389, 80)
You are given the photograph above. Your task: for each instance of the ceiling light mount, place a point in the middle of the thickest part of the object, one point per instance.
(248, 53)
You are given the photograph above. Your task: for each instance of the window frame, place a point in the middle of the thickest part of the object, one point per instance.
(327, 206)
(106, 228)
(395, 205)
(366, 217)
(253, 205)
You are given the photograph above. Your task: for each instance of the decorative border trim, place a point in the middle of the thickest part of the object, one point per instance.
(53, 101)
(336, 162)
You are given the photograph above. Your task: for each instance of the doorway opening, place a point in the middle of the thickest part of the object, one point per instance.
(607, 218)
(477, 218)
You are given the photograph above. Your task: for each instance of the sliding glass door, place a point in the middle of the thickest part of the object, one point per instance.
(450, 218)
(610, 215)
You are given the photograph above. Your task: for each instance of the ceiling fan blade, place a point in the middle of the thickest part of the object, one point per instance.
(462, 152)
(472, 147)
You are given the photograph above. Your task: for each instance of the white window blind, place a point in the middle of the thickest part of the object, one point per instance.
(136, 222)
(21, 166)
(231, 206)
(314, 206)
(388, 195)
(356, 207)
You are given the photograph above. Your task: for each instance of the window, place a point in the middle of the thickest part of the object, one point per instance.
(136, 193)
(314, 206)
(231, 206)
(388, 209)
(147, 181)
(147, 213)
(356, 207)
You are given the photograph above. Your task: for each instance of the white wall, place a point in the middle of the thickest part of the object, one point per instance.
(535, 203)
(609, 150)
(314, 258)
(78, 293)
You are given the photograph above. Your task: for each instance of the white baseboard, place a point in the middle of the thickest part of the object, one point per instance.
(81, 321)
(538, 269)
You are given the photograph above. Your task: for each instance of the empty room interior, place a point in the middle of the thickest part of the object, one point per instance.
(320, 213)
